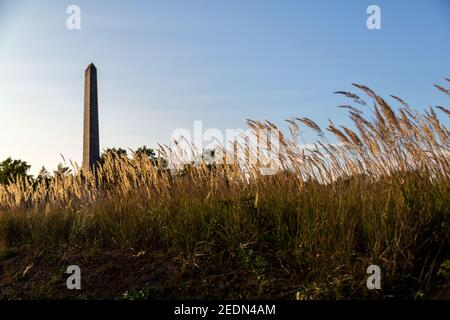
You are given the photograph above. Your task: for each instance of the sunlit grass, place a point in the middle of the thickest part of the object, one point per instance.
(379, 196)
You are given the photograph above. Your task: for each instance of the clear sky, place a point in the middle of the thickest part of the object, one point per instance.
(164, 64)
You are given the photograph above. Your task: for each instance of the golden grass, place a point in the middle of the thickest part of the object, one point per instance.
(380, 195)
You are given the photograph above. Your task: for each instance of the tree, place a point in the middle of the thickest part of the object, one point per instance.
(43, 175)
(114, 153)
(61, 170)
(11, 169)
(145, 151)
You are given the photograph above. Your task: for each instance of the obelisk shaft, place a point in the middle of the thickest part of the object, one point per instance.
(91, 139)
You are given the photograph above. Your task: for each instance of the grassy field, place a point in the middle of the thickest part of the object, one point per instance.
(381, 195)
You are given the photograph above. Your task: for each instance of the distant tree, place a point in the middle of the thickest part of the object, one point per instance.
(43, 175)
(114, 153)
(11, 169)
(61, 170)
(145, 151)
(163, 163)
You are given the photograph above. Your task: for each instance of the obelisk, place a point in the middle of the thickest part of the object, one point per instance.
(91, 139)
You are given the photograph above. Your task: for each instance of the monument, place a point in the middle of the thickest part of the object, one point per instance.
(91, 139)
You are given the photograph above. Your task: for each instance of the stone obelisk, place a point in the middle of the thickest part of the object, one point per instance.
(91, 139)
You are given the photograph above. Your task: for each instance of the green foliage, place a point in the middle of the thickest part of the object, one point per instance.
(61, 170)
(149, 153)
(142, 294)
(10, 170)
(140, 153)
(114, 153)
(444, 269)
(145, 151)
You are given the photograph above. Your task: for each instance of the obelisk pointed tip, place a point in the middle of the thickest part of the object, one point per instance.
(91, 66)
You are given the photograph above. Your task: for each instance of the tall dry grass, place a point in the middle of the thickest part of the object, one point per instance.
(379, 195)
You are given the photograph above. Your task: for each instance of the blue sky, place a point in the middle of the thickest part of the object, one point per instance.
(165, 64)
